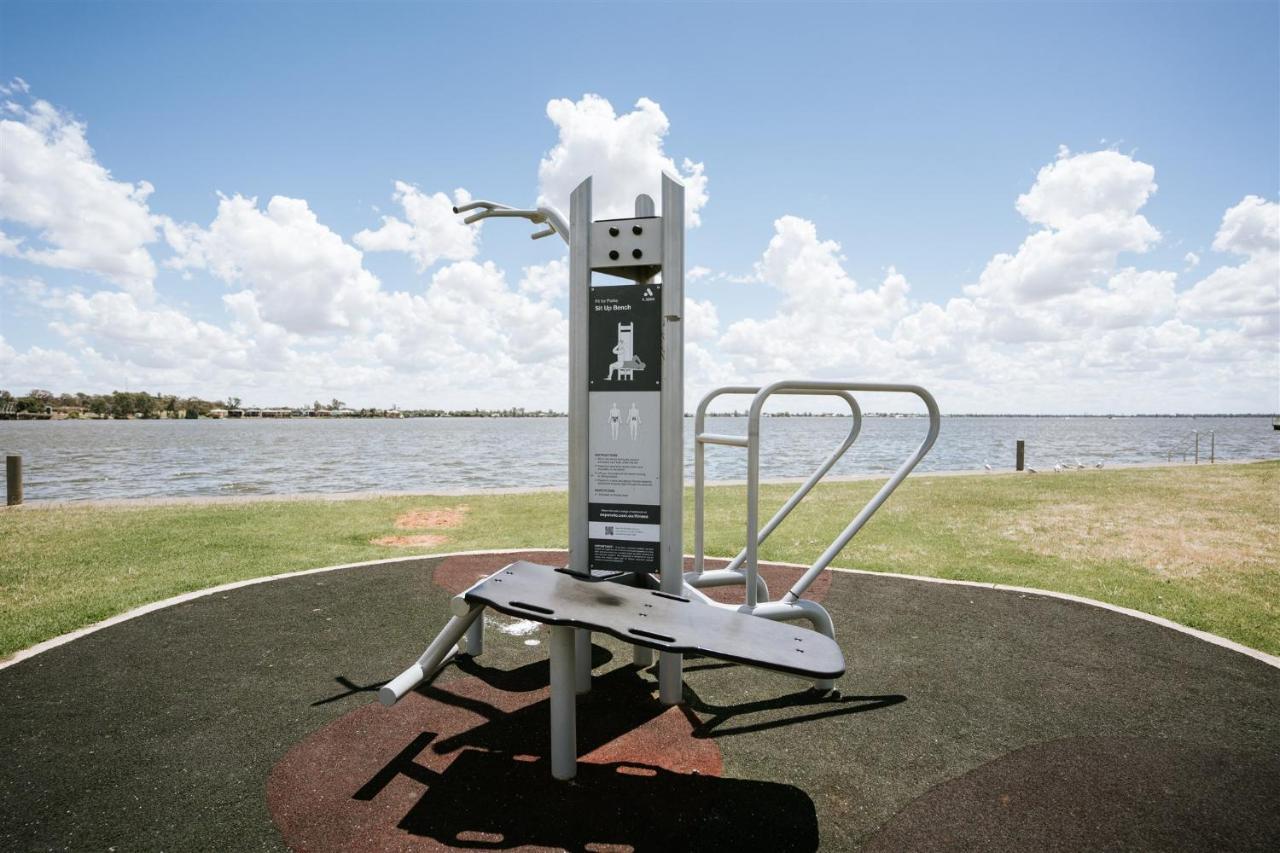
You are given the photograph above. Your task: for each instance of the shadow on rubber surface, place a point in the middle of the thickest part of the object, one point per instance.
(498, 791)
(502, 800)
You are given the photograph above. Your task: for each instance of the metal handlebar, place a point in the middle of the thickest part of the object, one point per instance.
(702, 438)
(549, 216)
(753, 474)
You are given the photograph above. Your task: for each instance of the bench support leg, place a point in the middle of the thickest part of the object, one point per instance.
(473, 641)
(564, 723)
(670, 678)
(642, 656)
(440, 650)
(582, 660)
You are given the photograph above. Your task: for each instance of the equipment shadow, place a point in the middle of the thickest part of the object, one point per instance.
(498, 791)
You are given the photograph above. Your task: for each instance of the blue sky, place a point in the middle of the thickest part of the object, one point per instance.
(903, 132)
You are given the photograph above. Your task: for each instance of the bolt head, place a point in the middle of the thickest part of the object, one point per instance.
(636, 253)
(613, 254)
(637, 230)
(613, 231)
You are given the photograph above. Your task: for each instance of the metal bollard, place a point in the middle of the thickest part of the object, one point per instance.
(1022, 455)
(13, 479)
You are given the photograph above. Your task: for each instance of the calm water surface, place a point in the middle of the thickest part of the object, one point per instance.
(83, 460)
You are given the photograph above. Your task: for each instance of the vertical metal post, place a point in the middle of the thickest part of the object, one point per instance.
(752, 563)
(1213, 436)
(1021, 461)
(564, 698)
(579, 308)
(1196, 433)
(642, 656)
(582, 660)
(671, 553)
(13, 479)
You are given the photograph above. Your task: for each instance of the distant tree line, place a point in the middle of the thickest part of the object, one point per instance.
(116, 404)
(124, 404)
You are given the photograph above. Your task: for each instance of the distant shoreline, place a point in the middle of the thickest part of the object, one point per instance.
(45, 418)
(202, 500)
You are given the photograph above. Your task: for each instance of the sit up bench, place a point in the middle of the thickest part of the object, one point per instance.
(643, 617)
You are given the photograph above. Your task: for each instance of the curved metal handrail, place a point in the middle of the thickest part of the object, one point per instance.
(753, 475)
(701, 439)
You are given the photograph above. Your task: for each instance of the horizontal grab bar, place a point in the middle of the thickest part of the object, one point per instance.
(727, 440)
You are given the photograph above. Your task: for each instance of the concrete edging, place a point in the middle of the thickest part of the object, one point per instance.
(32, 651)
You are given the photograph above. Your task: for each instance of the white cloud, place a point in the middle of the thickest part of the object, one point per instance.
(147, 337)
(432, 232)
(622, 153)
(1089, 204)
(36, 367)
(304, 276)
(823, 322)
(546, 282)
(1063, 321)
(1192, 259)
(81, 217)
(1248, 292)
(701, 322)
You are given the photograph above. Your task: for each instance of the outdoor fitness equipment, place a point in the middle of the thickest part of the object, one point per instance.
(626, 353)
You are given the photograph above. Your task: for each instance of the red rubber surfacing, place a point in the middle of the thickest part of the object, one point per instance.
(464, 765)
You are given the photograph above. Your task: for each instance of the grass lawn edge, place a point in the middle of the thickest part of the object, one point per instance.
(142, 610)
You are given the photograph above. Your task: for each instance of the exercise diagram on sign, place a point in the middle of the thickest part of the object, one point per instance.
(627, 362)
(633, 421)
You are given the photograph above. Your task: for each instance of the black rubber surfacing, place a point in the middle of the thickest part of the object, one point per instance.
(972, 719)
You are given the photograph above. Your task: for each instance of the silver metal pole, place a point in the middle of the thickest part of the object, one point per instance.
(887, 489)
(582, 660)
(440, 649)
(1213, 435)
(803, 491)
(671, 560)
(699, 470)
(753, 503)
(1196, 433)
(642, 656)
(473, 641)
(579, 308)
(564, 722)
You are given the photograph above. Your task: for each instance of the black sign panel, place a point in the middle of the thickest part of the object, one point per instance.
(625, 338)
(624, 427)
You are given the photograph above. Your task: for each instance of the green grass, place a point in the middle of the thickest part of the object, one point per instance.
(1198, 545)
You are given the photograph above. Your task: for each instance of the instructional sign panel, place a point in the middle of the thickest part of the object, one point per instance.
(625, 364)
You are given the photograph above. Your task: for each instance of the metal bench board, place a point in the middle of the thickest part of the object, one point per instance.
(657, 620)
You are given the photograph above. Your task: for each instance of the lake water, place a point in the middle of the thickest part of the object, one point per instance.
(83, 460)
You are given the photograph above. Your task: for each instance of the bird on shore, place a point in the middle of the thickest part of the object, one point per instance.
(1097, 465)
(986, 465)
(1059, 468)
(1031, 470)
(1079, 464)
